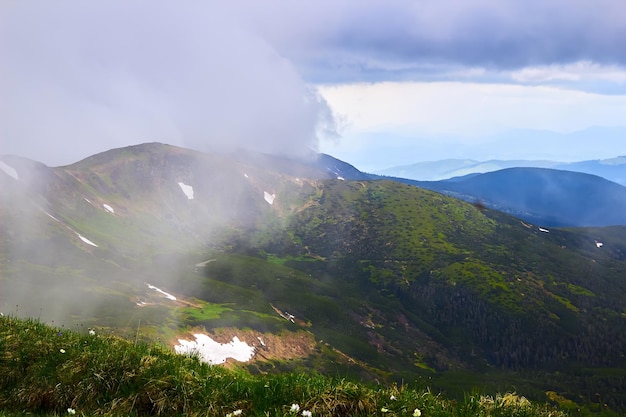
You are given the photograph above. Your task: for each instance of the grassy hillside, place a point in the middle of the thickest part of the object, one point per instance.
(55, 371)
(371, 280)
(415, 282)
(482, 276)
(457, 286)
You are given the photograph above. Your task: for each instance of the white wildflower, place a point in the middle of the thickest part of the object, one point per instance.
(71, 411)
(294, 408)
(237, 412)
(92, 332)
(384, 410)
(307, 413)
(393, 397)
(63, 351)
(417, 412)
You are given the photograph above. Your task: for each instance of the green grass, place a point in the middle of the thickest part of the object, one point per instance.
(205, 311)
(401, 280)
(46, 371)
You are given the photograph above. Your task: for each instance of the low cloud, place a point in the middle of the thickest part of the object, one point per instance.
(446, 108)
(396, 123)
(83, 77)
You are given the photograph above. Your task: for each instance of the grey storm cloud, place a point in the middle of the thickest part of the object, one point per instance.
(352, 38)
(82, 77)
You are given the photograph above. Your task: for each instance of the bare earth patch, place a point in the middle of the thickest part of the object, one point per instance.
(286, 345)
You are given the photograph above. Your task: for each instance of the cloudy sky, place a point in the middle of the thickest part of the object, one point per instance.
(374, 83)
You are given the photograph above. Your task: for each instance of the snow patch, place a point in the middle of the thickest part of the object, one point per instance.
(108, 208)
(84, 239)
(187, 189)
(285, 315)
(541, 229)
(341, 178)
(205, 263)
(245, 175)
(9, 170)
(290, 317)
(599, 244)
(214, 352)
(167, 295)
(269, 197)
(87, 200)
(52, 217)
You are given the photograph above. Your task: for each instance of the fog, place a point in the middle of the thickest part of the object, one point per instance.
(78, 78)
(83, 77)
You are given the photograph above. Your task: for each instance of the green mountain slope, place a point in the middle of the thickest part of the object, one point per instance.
(373, 279)
(493, 287)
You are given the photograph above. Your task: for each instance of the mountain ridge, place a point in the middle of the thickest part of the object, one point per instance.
(541, 195)
(613, 169)
(401, 282)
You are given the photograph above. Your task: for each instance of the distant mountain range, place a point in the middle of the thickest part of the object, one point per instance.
(587, 193)
(613, 169)
(544, 196)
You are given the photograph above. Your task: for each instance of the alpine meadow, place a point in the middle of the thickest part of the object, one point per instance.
(267, 266)
(279, 208)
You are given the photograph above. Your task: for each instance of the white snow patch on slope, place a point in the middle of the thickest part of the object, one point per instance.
(214, 352)
(9, 170)
(245, 175)
(187, 189)
(84, 239)
(599, 244)
(167, 295)
(269, 197)
(52, 217)
(541, 229)
(108, 208)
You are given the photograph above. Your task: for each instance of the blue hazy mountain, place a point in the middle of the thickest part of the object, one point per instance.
(613, 169)
(543, 196)
(516, 148)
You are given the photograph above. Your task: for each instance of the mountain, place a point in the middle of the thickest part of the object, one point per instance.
(316, 166)
(613, 169)
(600, 142)
(377, 280)
(450, 168)
(544, 196)
(537, 144)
